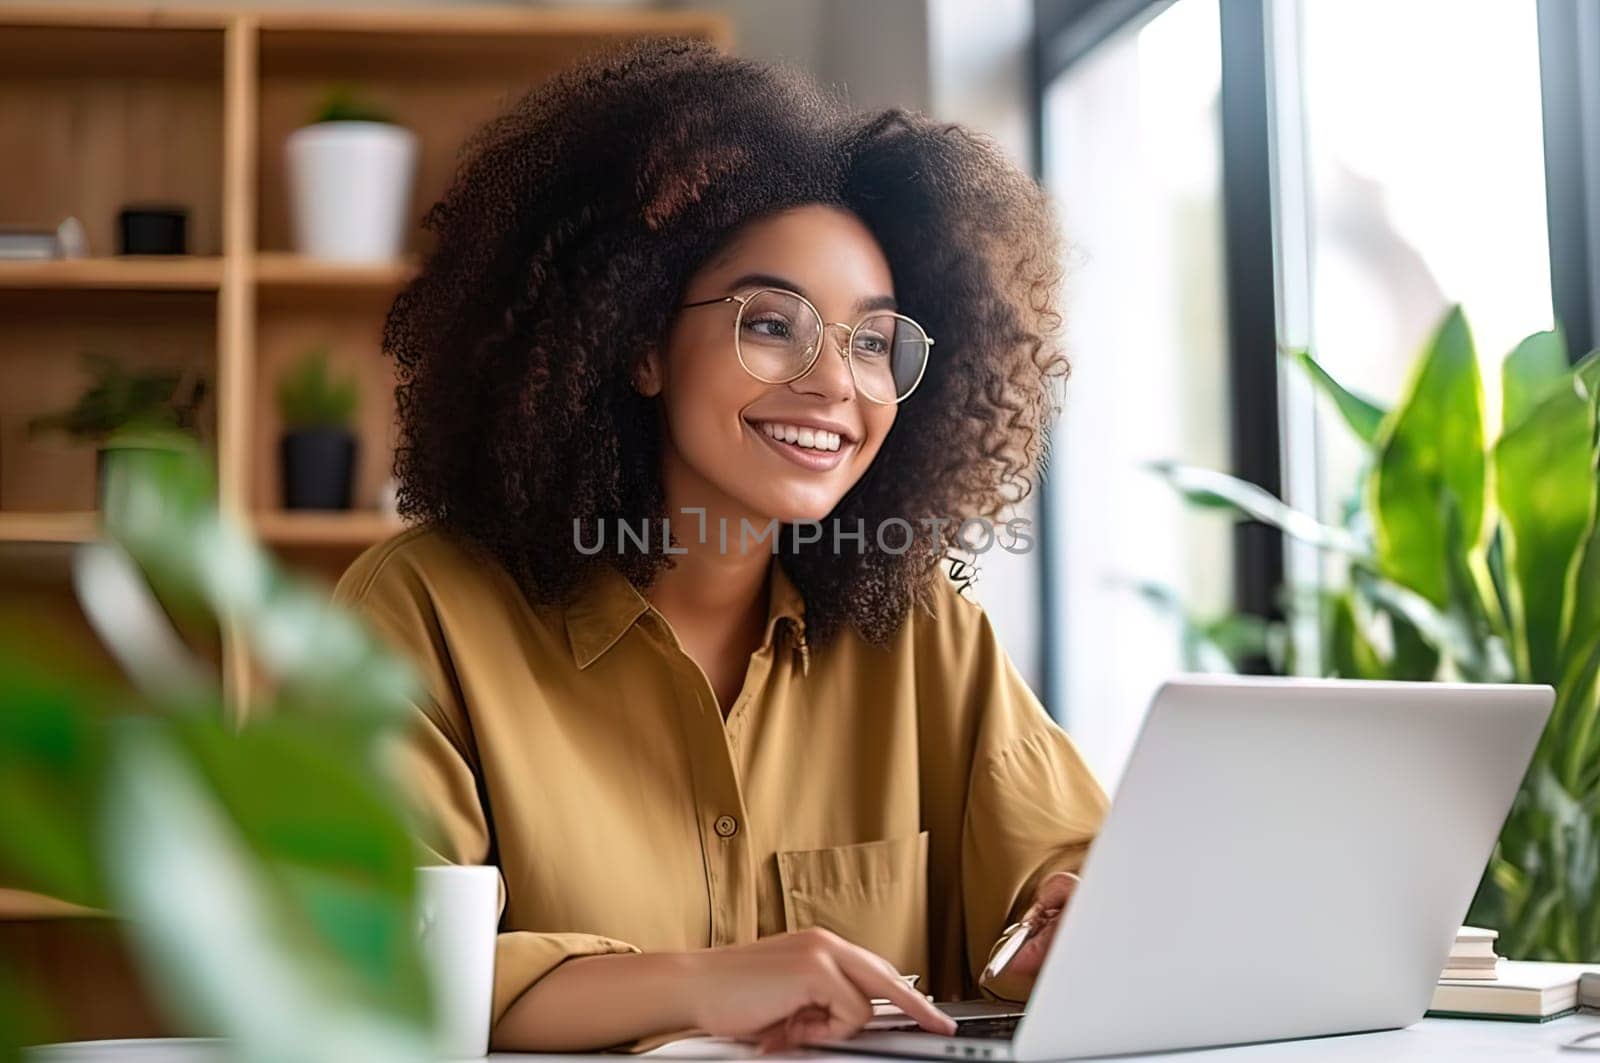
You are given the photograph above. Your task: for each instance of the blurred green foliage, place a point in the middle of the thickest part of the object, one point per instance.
(310, 396)
(264, 870)
(1473, 557)
(118, 399)
(342, 103)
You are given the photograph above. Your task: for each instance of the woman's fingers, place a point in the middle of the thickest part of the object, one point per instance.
(802, 988)
(1056, 890)
(790, 1032)
(1050, 898)
(808, 1025)
(1030, 957)
(875, 977)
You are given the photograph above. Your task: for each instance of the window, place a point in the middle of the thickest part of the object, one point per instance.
(1425, 165)
(1404, 145)
(1132, 158)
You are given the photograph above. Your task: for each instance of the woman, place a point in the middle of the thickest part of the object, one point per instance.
(695, 351)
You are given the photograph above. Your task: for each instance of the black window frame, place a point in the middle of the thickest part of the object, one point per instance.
(1065, 32)
(1569, 92)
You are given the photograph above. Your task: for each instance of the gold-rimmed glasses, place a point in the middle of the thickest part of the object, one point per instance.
(777, 336)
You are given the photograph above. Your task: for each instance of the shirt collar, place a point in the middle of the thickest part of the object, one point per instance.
(608, 604)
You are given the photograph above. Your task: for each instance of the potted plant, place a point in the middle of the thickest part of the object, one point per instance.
(128, 410)
(318, 449)
(1471, 554)
(350, 175)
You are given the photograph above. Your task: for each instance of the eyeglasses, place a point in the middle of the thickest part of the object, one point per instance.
(777, 335)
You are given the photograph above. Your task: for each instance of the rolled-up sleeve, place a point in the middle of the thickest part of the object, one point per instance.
(437, 775)
(1033, 807)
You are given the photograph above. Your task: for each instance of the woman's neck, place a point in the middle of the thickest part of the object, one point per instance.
(714, 593)
(720, 578)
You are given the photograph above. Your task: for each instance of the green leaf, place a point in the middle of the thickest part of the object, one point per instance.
(1544, 483)
(267, 874)
(1364, 416)
(1580, 625)
(233, 953)
(1573, 733)
(1587, 373)
(1435, 445)
(1222, 644)
(1352, 654)
(1416, 658)
(1203, 487)
(1474, 606)
(344, 103)
(162, 511)
(1423, 632)
(50, 756)
(26, 1018)
(1531, 372)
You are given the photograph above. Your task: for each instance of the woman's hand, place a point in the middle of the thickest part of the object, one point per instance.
(794, 989)
(1049, 901)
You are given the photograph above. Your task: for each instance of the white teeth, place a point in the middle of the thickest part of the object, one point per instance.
(810, 438)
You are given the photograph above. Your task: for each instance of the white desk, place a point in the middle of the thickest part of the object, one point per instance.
(1430, 1040)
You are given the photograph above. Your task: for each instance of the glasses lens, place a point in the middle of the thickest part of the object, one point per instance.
(778, 336)
(888, 354)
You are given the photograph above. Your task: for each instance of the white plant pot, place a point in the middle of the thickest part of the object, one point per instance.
(350, 189)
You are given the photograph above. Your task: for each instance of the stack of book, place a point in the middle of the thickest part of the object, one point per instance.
(1472, 956)
(1476, 984)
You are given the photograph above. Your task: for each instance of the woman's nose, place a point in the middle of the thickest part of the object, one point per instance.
(830, 375)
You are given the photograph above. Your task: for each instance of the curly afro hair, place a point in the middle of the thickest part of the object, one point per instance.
(564, 242)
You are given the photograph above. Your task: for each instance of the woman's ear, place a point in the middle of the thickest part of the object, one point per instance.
(647, 374)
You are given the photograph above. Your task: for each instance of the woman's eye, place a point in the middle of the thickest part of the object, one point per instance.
(871, 346)
(775, 327)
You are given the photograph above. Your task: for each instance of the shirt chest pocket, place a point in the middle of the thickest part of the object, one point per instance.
(874, 894)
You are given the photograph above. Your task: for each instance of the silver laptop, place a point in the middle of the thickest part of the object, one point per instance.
(1284, 858)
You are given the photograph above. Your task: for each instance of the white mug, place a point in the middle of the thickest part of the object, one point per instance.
(458, 909)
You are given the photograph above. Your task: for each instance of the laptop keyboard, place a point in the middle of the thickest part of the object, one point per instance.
(1001, 1029)
(997, 1028)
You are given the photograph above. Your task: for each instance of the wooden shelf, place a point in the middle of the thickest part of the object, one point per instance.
(352, 528)
(345, 529)
(48, 527)
(283, 270)
(430, 24)
(131, 273)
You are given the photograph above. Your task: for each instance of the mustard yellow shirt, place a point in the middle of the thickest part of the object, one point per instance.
(907, 798)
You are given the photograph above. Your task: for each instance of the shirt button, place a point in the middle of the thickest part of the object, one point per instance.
(726, 826)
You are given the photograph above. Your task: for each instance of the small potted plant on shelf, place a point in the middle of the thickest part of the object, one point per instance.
(350, 175)
(318, 449)
(125, 409)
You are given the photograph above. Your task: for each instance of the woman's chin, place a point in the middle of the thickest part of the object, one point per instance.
(790, 508)
(802, 514)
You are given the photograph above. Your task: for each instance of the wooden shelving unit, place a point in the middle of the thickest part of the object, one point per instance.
(283, 271)
(152, 273)
(104, 107)
(358, 529)
(63, 527)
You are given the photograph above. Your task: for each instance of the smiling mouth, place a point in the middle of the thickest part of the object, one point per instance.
(815, 449)
(797, 435)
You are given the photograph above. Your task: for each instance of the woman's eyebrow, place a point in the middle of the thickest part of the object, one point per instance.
(772, 280)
